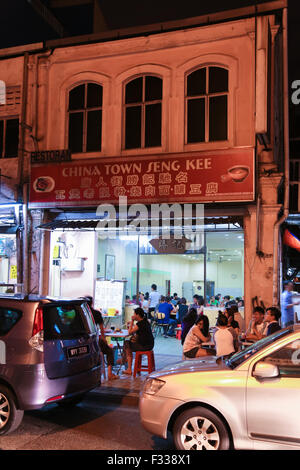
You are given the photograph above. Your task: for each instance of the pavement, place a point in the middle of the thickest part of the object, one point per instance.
(125, 390)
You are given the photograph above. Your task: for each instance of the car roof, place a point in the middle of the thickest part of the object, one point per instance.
(38, 298)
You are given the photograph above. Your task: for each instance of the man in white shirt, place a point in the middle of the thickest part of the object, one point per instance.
(257, 325)
(154, 298)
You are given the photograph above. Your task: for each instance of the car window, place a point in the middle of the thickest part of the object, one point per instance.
(89, 317)
(243, 355)
(287, 359)
(65, 321)
(8, 319)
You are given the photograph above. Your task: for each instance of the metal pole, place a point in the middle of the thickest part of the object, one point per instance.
(138, 269)
(25, 242)
(205, 267)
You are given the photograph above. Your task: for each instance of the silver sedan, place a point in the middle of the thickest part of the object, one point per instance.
(251, 401)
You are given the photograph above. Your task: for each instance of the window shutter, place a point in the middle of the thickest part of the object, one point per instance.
(11, 103)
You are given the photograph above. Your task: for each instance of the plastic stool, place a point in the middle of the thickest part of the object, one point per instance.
(138, 367)
(178, 332)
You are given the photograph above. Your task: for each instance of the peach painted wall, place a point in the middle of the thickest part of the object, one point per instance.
(170, 55)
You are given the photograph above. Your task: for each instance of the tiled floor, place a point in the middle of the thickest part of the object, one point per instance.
(166, 351)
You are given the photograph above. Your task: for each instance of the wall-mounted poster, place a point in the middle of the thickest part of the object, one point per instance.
(109, 295)
(13, 272)
(109, 267)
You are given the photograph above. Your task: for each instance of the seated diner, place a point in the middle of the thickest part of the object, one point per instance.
(141, 340)
(198, 334)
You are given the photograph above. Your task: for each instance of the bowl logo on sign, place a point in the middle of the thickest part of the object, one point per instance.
(237, 174)
(43, 184)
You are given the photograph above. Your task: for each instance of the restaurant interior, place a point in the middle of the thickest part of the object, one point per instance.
(81, 261)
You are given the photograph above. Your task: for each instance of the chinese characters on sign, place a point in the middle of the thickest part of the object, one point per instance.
(170, 245)
(217, 176)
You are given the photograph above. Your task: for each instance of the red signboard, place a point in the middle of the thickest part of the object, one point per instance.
(214, 176)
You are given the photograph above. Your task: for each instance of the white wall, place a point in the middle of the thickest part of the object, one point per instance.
(183, 269)
(125, 252)
(75, 284)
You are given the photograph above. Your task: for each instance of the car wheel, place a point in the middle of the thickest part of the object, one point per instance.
(200, 429)
(69, 402)
(10, 416)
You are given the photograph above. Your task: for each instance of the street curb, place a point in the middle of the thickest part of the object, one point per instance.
(118, 396)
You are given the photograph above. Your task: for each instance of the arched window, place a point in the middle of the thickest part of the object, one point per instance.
(207, 105)
(143, 111)
(85, 118)
(2, 93)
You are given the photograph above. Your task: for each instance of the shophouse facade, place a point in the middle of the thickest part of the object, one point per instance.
(188, 112)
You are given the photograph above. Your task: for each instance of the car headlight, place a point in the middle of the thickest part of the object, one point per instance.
(152, 386)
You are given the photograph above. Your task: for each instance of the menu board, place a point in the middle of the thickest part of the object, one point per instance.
(109, 295)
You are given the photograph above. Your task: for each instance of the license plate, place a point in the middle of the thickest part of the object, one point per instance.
(75, 352)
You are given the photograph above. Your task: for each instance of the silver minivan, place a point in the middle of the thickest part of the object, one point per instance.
(49, 353)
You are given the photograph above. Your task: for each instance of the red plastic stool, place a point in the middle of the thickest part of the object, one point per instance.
(138, 367)
(178, 332)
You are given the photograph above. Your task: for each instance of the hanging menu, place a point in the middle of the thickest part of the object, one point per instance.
(109, 296)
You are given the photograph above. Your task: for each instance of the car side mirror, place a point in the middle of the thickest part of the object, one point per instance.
(265, 370)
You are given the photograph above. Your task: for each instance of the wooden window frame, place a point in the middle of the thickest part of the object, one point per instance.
(206, 98)
(143, 104)
(85, 112)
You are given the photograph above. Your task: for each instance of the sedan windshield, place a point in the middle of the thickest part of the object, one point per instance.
(243, 355)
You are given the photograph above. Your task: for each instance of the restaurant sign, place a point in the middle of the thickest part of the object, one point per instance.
(51, 156)
(170, 245)
(203, 177)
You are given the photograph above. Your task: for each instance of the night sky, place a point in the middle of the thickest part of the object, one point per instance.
(20, 24)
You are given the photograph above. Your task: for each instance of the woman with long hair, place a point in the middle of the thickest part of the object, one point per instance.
(187, 322)
(229, 312)
(197, 335)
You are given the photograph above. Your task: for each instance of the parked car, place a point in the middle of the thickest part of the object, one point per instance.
(251, 401)
(49, 353)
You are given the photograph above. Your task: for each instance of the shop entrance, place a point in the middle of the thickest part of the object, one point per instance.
(8, 263)
(80, 259)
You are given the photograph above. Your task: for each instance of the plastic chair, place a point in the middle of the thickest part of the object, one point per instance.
(159, 327)
(139, 367)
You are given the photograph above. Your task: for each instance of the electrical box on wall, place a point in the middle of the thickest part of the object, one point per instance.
(72, 264)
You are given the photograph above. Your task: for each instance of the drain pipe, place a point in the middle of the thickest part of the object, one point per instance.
(286, 159)
(35, 133)
(22, 186)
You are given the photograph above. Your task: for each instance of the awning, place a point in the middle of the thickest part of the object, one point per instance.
(8, 229)
(71, 221)
(9, 218)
